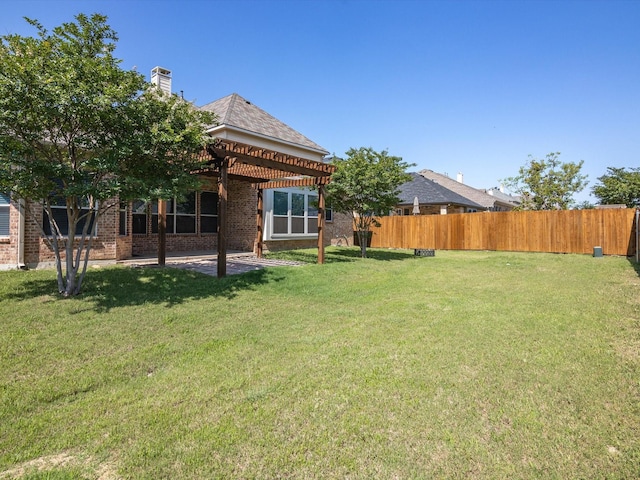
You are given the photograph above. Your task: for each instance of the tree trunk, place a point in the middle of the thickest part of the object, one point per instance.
(363, 236)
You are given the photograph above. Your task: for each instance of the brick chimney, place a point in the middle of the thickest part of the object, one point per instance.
(161, 78)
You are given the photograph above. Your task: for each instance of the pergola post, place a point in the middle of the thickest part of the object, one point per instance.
(321, 224)
(259, 223)
(162, 232)
(265, 169)
(223, 188)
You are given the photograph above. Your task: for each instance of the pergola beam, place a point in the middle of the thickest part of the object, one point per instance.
(264, 169)
(293, 182)
(270, 159)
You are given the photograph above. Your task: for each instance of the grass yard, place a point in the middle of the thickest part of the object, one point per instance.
(465, 365)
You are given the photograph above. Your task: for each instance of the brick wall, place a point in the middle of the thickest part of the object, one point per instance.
(109, 245)
(241, 225)
(241, 216)
(38, 252)
(339, 228)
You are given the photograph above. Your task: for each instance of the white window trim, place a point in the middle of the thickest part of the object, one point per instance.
(269, 235)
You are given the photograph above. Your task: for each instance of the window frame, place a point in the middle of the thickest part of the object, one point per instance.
(174, 212)
(123, 217)
(62, 207)
(136, 214)
(5, 211)
(207, 215)
(274, 215)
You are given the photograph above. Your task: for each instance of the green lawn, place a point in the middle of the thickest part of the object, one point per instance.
(465, 365)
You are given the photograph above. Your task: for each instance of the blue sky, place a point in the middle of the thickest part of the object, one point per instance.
(454, 86)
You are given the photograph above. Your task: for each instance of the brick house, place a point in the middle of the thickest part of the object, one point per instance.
(290, 215)
(432, 199)
(489, 200)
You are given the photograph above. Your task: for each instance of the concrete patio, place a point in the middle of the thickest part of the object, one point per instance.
(207, 262)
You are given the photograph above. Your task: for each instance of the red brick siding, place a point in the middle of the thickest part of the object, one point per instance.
(110, 245)
(37, 251)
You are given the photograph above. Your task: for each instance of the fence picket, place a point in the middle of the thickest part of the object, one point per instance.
(560, 231)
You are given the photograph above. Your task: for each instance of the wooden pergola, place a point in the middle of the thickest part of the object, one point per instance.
(264, 169)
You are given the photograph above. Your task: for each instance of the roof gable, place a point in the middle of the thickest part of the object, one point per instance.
(235, 111)
(431, 193)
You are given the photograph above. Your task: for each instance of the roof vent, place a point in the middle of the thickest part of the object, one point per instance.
(161, 78)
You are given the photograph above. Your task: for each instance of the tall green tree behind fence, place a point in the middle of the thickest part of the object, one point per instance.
(557, 231)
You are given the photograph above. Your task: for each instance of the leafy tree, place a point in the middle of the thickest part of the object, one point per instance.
(78, 131)
(547, 184)
(619, 185)
(584, 205)
(365, 186)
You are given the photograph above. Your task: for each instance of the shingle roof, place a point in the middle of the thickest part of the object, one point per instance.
(431, 193)
(504, 197)
(473, 194)
(235, 111)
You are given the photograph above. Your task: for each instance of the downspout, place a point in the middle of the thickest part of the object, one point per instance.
(21, 234)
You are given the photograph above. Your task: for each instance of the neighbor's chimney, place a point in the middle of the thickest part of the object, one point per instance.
(161, 78)
(460, 178)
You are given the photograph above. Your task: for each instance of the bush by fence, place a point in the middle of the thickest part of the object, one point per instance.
(558, 231)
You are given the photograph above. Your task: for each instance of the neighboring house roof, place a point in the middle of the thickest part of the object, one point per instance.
(236, 112)
(473, 194)
(431, 193)
(504, 197)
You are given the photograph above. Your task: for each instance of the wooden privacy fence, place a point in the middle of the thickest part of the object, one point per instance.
(558, 231)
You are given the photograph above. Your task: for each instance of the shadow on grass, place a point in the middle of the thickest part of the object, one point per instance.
(634, 264)
(341, 254)
(115, 287)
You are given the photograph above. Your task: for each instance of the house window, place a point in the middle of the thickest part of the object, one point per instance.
(280, 213)
(139, 210)
(328, 214)
(293, 213)
(181, 215)
(208, 212)
(312, 214)
(59, 212)
(4, 215)
(122, 219)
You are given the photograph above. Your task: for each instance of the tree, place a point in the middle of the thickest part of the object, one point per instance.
(77, 131)
(619, 185)
(584, 205)
(365, 186)
(547, 184)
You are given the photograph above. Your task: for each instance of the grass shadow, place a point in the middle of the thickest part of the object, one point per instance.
(634, 264)
(341, 254)
(113, 287)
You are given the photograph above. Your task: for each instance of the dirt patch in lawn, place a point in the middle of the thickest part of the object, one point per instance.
(61, 461)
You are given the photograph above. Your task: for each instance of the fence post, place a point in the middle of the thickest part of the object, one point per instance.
(637, 235)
